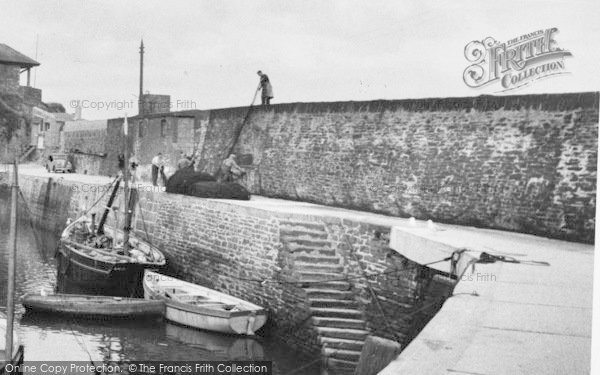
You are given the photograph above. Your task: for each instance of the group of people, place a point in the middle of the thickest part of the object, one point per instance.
(230, 171)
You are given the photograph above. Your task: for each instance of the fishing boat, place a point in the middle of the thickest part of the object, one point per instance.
(200, 307)
(93, 260)
(107, 259)
(17, 354)
(93, 306)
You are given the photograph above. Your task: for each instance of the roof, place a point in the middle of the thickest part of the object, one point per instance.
(14, 57)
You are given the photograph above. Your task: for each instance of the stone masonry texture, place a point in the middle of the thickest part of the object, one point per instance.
(521, 163)
(238, 250)
(9, 79)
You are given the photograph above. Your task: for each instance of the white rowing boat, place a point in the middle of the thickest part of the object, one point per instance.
(200, 307)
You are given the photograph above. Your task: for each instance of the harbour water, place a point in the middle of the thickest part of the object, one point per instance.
(59, 338)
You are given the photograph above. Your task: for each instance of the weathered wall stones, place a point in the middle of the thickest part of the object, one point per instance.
(238, 250)
(522, 163)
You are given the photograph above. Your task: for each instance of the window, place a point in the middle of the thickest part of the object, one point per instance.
(163, 127)
(47, 126)
(140, 129)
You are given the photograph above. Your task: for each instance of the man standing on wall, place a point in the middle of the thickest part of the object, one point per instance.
(158, 165)
(265, 86)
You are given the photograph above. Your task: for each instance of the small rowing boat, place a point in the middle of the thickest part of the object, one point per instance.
(200, 307)
(94, 306)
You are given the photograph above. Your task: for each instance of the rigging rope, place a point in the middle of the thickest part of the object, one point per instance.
(101, 196)
(144, 223)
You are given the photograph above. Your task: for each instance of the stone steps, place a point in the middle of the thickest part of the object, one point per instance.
(310, 250)
(320, 276)
(343, 333)
(332, 285)
(314, 243)
(335, 312)
(334, 303)
(312, 267)
(336, 315)
(344, 355)
(302, 225)
(328, 293)
(335, 343)
(318, 260)
(301, 232)
(341, 367)
(328, 322)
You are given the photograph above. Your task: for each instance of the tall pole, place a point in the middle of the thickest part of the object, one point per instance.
(140, 101)
(12, 253)
(126, 191)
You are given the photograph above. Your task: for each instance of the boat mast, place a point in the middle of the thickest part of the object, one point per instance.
(126, 209)
(111, 199)
(12, 253)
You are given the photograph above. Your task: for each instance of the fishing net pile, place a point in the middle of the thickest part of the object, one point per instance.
(189, 182)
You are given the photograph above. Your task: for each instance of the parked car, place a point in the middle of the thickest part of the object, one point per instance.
(59, 163)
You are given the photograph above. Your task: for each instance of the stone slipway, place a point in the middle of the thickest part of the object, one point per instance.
(504, 318)
(507, 318)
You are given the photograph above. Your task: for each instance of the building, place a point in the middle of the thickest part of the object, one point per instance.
(12, 64)
(47, 128)
(154, 103)
(86, 141)
(17, 101)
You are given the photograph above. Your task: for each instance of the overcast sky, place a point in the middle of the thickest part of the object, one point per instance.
(208, 52)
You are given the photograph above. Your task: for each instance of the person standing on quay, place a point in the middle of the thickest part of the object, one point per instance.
(183, 162)
(265, 86)
(158, 166)
(230, 170)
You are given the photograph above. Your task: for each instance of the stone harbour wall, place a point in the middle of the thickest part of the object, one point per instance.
(520, 163)
(238, 250)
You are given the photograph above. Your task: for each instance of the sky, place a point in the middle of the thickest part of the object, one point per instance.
(205, 54)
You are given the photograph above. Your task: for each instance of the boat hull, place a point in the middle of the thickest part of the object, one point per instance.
(239, 325)
(240, 322)
(101, 277)
(94, 306)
